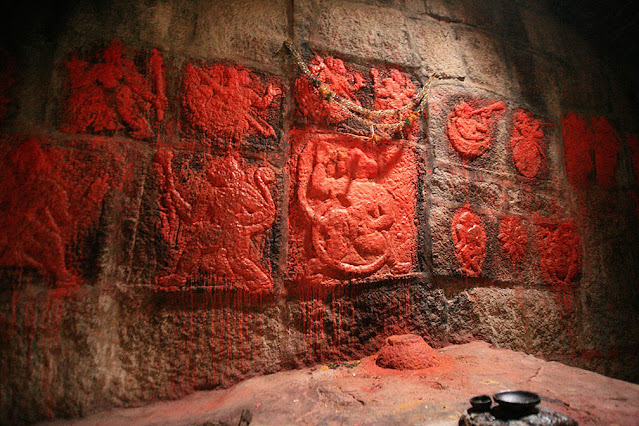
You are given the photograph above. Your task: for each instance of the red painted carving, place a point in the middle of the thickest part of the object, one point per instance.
(49, 198)
(393, 90)
(559, 253)
(112, 95)
(633, 142)
(227, 103)
(585, 140)
(577, 142)
(606, 147)
(469, 238)
(342, 81)
(217, 220)
(8, 70)
(354, 208)
(513, 238)
(470, 128)
(526, 143)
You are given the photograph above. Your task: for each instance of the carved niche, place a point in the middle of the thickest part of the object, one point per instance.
(352, 208)
(215, 219)
(227, 102)
(469, 238)
(471, 128)
(111, 93)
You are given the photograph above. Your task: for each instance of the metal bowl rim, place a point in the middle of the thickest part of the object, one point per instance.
(534, 398)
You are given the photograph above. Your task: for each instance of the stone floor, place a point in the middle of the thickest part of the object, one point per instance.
(361, 393)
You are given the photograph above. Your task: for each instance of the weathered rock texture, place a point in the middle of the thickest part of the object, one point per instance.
(180, 209)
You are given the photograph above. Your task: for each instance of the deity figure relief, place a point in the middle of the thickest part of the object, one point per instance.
(526, 143)
(470, 129)
(343, 81)
(33, 226)
(469, 238)
(51, 201)
(227, 102)
(353, 216)
(559, 252)
(513, 239)
(394, 90)
(225, 224)
(112, 94)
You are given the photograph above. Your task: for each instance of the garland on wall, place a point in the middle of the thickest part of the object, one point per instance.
(372, 119)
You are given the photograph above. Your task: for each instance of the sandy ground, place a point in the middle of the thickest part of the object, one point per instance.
(361, 393)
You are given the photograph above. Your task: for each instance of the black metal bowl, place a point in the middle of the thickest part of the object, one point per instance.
(516, 400)
(481, 403)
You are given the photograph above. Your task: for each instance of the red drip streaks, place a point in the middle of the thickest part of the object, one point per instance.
(239, 327)
(312, 323)
(342, 81)
(469, 238)
(112, 95)
(527, 144)
(190, 353)
(336, 309)
(51, 322)
(226, 103)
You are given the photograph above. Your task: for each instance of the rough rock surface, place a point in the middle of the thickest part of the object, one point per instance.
(364, 393)
(181, 209)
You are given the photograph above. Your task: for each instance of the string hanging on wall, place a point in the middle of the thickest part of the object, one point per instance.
(369, 118)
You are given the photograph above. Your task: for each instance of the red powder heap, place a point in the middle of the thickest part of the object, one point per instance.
(406, 352)
(111, 94)
(526, 143)
(469, 237)
(343, 82)
(226, 103)
(513, 238)
(470, 128)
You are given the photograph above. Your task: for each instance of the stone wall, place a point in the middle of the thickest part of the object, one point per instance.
(182, 210)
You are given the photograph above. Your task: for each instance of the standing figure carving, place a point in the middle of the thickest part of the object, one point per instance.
(225, 224)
